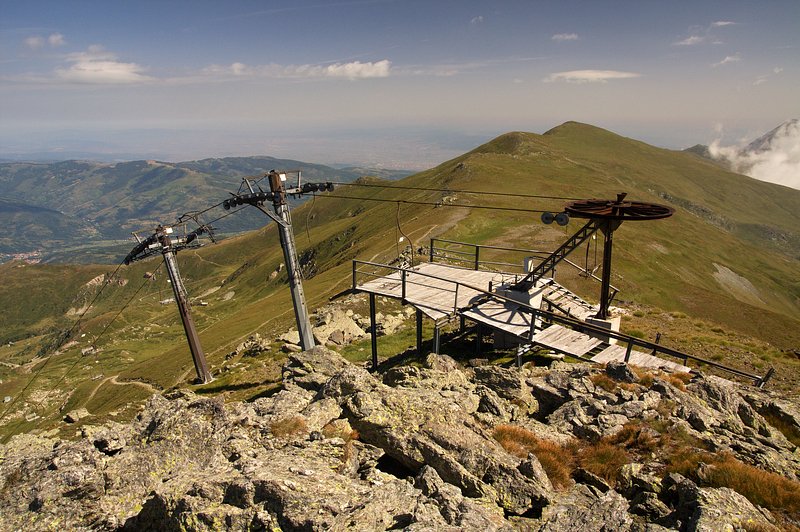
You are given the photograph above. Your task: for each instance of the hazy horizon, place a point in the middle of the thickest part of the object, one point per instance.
(385, 83)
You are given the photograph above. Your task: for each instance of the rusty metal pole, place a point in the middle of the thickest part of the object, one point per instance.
(292, 263)
(184, 309)
(608, 244)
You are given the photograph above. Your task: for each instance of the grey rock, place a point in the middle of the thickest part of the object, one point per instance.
(620, 371)
(76, 415)
(588, 511)
(441, 363)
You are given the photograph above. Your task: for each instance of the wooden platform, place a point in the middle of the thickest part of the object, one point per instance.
(638, 358)
(566, 340)
(504, 316)
(441, 291)
(434, 296)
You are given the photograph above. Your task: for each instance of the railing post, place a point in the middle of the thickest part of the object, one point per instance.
(455, 301)
(431, 249)
(477, 257)
(403, 286)
(628, 351)
(373, 330)
(419, 332)
(354, 275)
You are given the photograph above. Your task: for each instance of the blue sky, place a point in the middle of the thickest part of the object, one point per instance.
(393, 83)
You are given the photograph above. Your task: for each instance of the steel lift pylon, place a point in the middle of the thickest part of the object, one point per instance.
(164, 241)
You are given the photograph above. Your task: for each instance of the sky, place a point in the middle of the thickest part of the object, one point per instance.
(398, 84)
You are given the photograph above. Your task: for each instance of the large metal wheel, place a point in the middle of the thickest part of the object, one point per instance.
(618, 209)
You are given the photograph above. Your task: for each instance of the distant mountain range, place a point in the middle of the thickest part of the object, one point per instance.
(54, 207)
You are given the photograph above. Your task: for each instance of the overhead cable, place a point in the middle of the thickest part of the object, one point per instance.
(444, 190)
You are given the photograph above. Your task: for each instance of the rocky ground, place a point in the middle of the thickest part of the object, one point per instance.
(440, 447)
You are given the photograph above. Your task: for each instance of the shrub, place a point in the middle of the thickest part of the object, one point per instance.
(288, 427)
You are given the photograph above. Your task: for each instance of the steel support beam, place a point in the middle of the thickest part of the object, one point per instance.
(292, 263)
(184, 309)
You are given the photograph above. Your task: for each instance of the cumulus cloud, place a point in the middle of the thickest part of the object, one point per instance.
(561, 37)
(721, 23)
(56, 39)
(774, 158)
(735, 58)
(476, 20)
(97, 65)
(589, 76)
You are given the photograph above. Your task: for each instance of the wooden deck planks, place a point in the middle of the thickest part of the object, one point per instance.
(638, 358)
(434, 297)
(566, 340)
(503, 316)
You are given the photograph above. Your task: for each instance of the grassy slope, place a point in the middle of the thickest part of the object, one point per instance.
(666, 264)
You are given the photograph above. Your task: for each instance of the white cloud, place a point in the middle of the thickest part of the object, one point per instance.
(56, 39)
(353, 70)
(590, 76)
(690, 41)
(560, 37)
(34, 42)
(357, 70)
(735, 58)
(97, 65)
(476, 20)
(703, 34)
(777, 162)
(760, 80)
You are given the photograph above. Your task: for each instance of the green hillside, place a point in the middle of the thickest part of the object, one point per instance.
(709, 277)
(84, 204)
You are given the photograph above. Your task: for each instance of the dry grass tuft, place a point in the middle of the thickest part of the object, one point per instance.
(289, 426)
(601, 380)
(604, 459)
(679, 380)
(557, 460)
(762, 488)
(347, 451)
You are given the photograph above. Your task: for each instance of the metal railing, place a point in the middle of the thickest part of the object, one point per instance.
(550, 318)
(472, 257)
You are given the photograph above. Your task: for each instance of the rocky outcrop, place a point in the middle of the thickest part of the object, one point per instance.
(415, 448)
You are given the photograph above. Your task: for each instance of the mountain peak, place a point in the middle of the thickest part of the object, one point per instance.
(764, 142)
